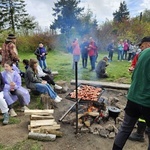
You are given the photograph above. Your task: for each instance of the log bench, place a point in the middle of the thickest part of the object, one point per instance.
(112, 85)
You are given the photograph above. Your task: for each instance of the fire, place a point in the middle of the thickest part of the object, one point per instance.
(92, 109)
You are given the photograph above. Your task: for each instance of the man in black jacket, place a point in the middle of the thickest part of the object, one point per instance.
(101, 68)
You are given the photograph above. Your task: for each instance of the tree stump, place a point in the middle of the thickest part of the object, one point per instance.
(47, 102)
(64, 86)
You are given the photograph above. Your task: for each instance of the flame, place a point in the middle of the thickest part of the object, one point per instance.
(92, 109)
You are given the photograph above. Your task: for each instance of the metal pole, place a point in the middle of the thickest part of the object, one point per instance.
(76, 79)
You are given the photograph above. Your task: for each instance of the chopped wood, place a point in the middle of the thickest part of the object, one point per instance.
(37, 123)
(93, 114)
(37, 129)
(57, 133)
(39, 117)
(39, 112)
(41, 136)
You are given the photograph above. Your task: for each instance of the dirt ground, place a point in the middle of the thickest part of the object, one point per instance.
(18, 133)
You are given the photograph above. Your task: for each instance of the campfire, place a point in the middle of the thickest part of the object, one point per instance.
(100, 116)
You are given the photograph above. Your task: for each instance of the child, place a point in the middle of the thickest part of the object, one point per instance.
(13, 89)
(3, 104)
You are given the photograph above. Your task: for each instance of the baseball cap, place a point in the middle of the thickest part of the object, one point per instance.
(145, 39)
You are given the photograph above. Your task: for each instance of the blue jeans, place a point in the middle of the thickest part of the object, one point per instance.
(42, 63)
(46, 89)
(120, 55)
(92, 60)
(76, 58)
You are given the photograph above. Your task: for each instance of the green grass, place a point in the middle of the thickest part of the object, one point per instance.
(62, 62)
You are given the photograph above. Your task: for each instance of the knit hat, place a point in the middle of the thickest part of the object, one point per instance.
(145, 39)
(11, 36)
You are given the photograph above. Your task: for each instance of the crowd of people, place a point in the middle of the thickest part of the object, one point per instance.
(37, 78)
(126, 50)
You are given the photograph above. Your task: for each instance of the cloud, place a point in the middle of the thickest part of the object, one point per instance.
(102, 9)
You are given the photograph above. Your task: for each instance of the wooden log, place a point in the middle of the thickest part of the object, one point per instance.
(39, 117)
(54, 73)
(42, 137)
(37, 129)
(57, 133)
(93, 114)
(37, 123)
(39, 112)
(104, 84)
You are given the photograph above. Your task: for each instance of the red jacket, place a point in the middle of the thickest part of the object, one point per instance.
(134, 61)
(92, 49)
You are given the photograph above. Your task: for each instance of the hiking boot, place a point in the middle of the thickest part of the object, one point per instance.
(139, 134)
(24, 108)
(57, 87)
(12, 113)
(137, 137)
(6, 118)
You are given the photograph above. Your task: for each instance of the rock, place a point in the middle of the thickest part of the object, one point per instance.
(115, 129)
(104, 133)
(110, 127)
(112, 135)
(96, 132)
(118, 119)
(87, 123)
(119, 105)
(120, 94)
(116, 99)
(80, 125)
(85, 130)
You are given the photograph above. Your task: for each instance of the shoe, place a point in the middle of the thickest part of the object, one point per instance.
(137, 137)
(57, 87)
(12, 113)
(6, 118)
(57, 100)
(24, 108)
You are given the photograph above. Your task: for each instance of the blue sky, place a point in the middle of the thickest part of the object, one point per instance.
(102, 9)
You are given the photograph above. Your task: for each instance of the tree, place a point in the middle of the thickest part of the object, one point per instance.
(28, 24)
(146, 16)
(87, 24)
(12, 13)
(122, 14)
(66, 13)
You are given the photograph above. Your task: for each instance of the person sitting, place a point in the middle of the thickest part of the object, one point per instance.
(33, 82)
(45, 76)
(13, 90)
(3, 105)
(101, 68)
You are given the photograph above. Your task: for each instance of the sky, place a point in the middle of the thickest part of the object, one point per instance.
(102, 9)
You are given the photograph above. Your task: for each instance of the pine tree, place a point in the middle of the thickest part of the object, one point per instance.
(12, 13)
(66, 14)
(122, 14)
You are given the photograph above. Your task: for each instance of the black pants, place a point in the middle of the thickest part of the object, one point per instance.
(49, 79)
(110, 55)
(84, 60)
(130, 57)
(132, 112)
(20, 97)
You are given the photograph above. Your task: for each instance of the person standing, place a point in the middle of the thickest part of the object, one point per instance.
(92, 53)
(111, 48)
(130, 52)
(84, 52)
(138, 98)
(120, 50)
(76, 52)
(41, 55)
(125, 49)
(9, 51)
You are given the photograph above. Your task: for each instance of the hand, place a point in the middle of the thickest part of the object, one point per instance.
(44, 82)
(12, 89)
(131, 69)
(43, 54)
(12, 84)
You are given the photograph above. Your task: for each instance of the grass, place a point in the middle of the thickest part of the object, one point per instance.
(62, 62)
